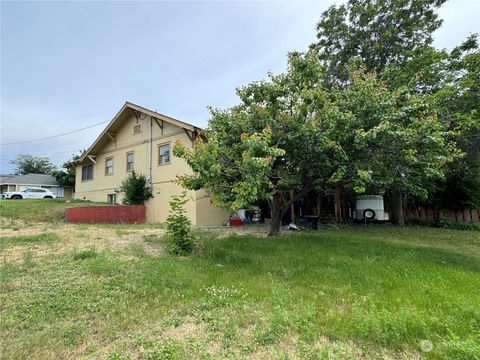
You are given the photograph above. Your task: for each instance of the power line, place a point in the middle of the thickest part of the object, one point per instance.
(52, 153)
(55, 136)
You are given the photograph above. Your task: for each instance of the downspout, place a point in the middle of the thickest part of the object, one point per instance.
(150, 152)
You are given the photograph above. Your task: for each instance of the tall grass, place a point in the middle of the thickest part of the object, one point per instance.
(349, 293)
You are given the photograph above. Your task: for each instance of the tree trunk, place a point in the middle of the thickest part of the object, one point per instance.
(277, 213)
(319, 203)
(397, 210)
(338, 204)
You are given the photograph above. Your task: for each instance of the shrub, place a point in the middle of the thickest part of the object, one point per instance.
(179, 233)
(135, 189)
(84, 254)
(444, 223)
(449, 224)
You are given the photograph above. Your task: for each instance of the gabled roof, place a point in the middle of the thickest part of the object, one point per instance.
(118, 119)
(28, 179)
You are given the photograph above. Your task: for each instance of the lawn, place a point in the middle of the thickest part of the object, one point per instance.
(39, 210)
(355, 292)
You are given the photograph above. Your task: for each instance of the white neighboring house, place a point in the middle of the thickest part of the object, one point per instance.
(12, 183)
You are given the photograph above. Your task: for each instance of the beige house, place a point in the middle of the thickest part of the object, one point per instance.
(140, 139)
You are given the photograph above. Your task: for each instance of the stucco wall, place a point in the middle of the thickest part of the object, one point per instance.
(207, 212)
(102, 184)
(163, 175)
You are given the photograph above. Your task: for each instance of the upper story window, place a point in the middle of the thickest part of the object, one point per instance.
(109, 166)
(137, 129)
(87, 172)
(130, 161)
(164, 154)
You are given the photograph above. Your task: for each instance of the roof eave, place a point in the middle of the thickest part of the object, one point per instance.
(146, 111)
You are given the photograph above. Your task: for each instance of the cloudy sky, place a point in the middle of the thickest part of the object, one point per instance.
(69, 65)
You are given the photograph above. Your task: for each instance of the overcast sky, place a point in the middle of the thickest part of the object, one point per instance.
(68, 65)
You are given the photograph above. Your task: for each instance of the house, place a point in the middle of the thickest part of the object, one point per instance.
(140, 139)
(20, 182)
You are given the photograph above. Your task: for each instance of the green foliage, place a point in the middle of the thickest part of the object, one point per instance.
(444, 223)
(374, 33)
(457, 103)
(378, 33)
(267, 146)
(66, 176)
(179, 233)
(32, 164)
(291, 134)
(135, 189)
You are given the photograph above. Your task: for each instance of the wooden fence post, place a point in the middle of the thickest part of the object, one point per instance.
(475, 216)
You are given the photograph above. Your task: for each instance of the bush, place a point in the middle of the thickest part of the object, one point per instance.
(179, 233)
(135, 189)
(443, 223)
(449, 224)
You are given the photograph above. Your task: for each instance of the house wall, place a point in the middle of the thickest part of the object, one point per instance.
(207, 213)
(163, 176)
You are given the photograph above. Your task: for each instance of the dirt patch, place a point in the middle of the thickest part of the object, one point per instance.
(185, 330)
(75, 237)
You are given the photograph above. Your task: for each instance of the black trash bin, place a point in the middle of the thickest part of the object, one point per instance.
(311, 222)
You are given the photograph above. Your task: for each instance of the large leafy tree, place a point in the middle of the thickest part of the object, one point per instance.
(393, 39)
(380, 33)
(457, 100)
(320, 125)
(409, 149)
(265, 148)
(289, 136)
(383, 138)
(32, 164)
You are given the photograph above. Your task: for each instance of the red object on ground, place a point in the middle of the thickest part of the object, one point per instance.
(236, 222)
(129, 214)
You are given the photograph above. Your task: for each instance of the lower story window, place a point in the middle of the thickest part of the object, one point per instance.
(112, 198)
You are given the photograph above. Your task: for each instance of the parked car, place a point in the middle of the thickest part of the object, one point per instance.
(30, 193)
(370, 208)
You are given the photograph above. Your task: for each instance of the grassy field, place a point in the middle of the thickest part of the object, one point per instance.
(111, 292)
(34, 210)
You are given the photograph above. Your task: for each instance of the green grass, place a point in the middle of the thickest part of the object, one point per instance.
(46, 237)
(38, 210)
(333, 294)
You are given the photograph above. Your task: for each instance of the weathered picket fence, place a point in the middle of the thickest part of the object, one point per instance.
(429, 214)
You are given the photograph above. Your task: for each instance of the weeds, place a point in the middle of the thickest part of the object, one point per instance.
(46, 237)
(363, 292)
(84, 254)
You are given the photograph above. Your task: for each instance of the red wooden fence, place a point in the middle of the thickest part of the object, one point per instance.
(106, 214)
(463, 216)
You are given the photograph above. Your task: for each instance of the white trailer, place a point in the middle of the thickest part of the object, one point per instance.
(369, 208)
